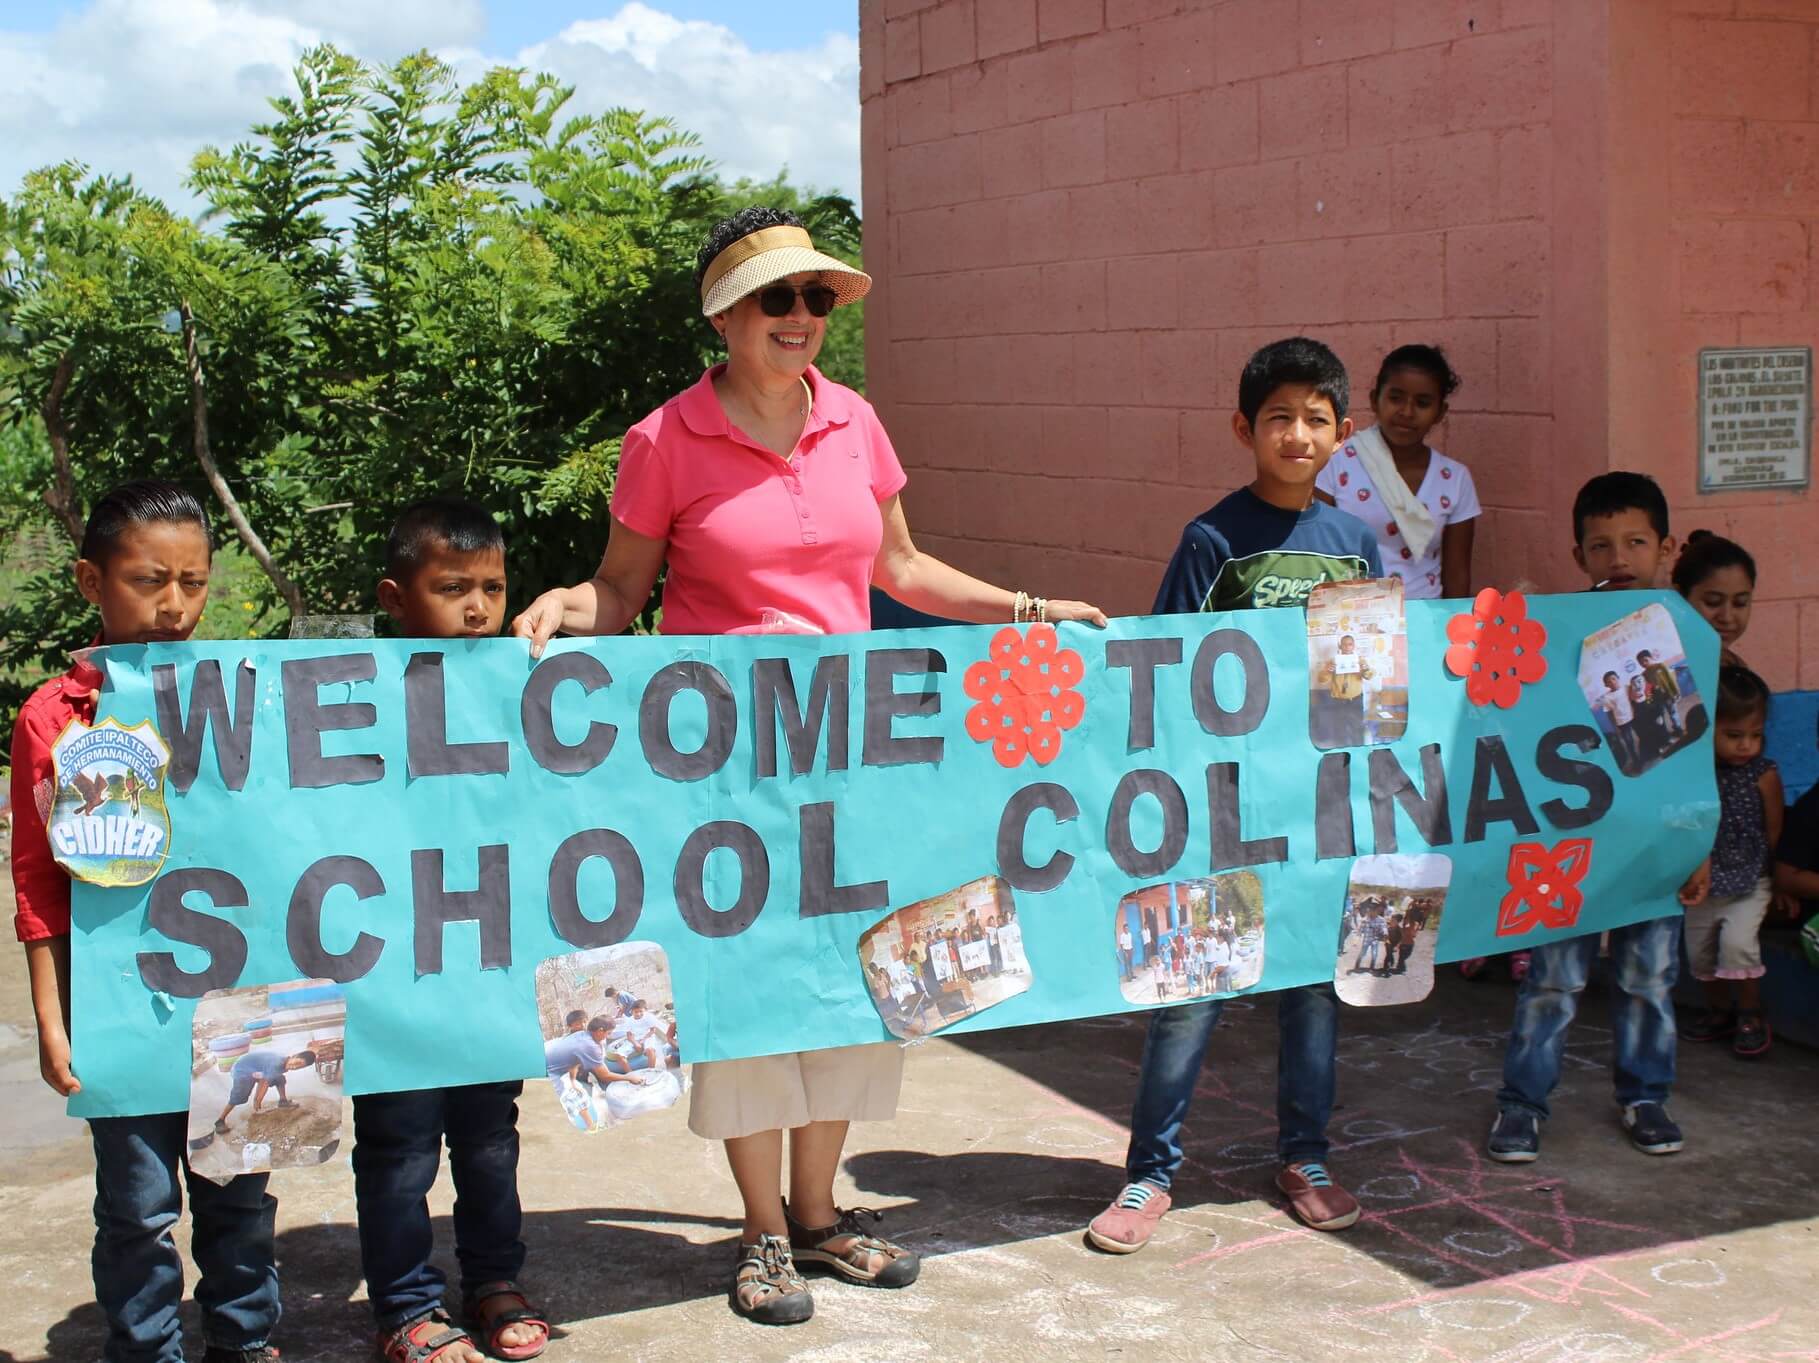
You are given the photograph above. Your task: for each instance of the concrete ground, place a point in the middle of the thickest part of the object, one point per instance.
(1008, 1142)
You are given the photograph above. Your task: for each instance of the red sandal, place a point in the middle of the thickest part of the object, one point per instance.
(491, 1324)
(426, 1339)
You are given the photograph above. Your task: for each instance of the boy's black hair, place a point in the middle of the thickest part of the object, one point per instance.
(573, 1016)
(307, 1057)
(599, 1024)
(753, 218)
(1610, 676)
(1642, 653)
(1740, 692)
(451, 522)
(1705, 554)
(1609, 493)
(144, 501)
(1428, 359)
(1296, 359)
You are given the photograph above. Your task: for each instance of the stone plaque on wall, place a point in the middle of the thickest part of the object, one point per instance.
(1755, 418)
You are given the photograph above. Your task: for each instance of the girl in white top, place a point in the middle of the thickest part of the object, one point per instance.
(1420, 503)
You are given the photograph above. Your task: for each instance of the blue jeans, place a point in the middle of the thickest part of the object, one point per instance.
(397, 1153)
(1645, 959)
(1308, 1026)
(138, 1271)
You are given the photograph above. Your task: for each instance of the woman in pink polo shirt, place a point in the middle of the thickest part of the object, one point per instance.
(768, 488)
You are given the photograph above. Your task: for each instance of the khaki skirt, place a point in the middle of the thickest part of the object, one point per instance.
(732, 1098)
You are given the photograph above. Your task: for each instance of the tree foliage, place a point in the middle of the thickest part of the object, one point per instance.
(401, 286)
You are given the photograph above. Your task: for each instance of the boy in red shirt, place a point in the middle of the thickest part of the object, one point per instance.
(144, 563)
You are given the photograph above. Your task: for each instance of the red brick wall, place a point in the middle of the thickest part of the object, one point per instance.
(1083, 215)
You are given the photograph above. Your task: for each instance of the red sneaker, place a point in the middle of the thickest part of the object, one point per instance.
(1126, 1226)
(1314, 1198)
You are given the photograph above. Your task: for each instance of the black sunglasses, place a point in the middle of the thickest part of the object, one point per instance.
(779, 300)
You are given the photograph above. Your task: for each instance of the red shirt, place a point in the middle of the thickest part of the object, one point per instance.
(747, 530)
(40, 885)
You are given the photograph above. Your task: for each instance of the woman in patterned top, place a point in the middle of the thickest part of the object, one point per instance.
(1722, 929)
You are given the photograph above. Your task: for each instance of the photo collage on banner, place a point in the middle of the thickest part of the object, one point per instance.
(1190, 939)
(934, 962)
(1357, 663)
(1636, 678)
(1390, 928)
(608, 1018)
(265, 1078)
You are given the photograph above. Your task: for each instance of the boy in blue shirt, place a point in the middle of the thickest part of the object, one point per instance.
(444, 579)
(1621, 542)
(1268, 544)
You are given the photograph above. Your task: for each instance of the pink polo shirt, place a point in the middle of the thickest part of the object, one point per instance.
(748, 530)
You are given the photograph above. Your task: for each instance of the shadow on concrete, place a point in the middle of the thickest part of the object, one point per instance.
(1415, 1102)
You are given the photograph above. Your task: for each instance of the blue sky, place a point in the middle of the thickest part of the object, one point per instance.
(137, 86)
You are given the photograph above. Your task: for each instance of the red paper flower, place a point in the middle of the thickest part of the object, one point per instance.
(1544, 886)
(1025, 694)
(1496, 648)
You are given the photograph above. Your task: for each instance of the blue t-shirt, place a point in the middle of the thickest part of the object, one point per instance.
(1245, 553)
(266, 1065)
(562, 1054)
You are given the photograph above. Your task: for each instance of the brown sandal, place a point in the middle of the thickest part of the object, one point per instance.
(423, 1340)
(491, 1324)
(766, 1286)
(846, 1250)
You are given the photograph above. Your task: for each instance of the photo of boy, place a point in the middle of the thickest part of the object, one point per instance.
(1635, 677)
(932, 963)
(622, 1059)
(1208, 935)
(265, 1078)
(1393, 905)
(1357, 663)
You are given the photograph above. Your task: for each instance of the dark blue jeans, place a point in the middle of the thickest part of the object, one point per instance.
(1308, 1029)
(138, 1272)
(1645, 959)
(397, 1153)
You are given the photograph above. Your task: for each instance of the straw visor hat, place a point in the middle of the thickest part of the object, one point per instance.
(767, 255)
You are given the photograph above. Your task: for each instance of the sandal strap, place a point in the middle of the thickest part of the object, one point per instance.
(492, 1322)
(401, 1344)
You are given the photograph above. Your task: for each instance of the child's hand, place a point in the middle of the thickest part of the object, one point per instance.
(53, 1061)
(1784, 905)
(1698, 885)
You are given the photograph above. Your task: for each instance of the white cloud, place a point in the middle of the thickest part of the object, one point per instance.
(139, 85)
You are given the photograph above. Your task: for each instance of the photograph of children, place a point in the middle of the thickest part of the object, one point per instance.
(1389, 928)
(1635, 677)
(943, 959)
(608, 1018)
(265, 1078)
(1190, 939)
(1357, 663)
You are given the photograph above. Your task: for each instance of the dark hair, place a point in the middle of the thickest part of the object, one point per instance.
(1705, 554)
(448, 522)
(599, 1024)
(1609, 493)
(307, 1057)
(574, 1015)
(1740, 692)
(1642, 653)
(144, 501)
(1428, 359)
(1610, 676)
(753, 218)
(1297, 359)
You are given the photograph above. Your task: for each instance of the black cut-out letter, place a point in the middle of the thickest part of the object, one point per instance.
(434, 907)
(1334, 835)
(1143, 657)
(168, 915)
(820, 889)
(654, 715)
(574, 926)
(303, 924)
(1012, 826)
(207, 712)
(774, 699)
(306, 719)
(1492, 770)
(1392, 786)
(883, 704)
(429, 753)
(1554, 765)
(1230, 847)
(754, 879)
(1130, 860)
(1213, 717)
(535, 709)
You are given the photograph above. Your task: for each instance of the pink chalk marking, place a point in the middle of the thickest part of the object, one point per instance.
(1683, 1349)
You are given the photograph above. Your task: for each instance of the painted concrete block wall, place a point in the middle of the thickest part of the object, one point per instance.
(1714, 245)
(1083, 215)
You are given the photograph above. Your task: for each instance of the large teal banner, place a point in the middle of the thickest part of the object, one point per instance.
(1083, 822)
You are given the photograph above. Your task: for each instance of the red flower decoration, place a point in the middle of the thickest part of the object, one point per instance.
(1496, 648)
(1025, 694)
(1390, 529)
(1544, 886)
(1407, 552)
(1445, 472)
(1445, 502)
(1344, 478)
(1364, 494)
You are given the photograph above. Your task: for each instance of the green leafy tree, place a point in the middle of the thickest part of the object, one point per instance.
(401, 286)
